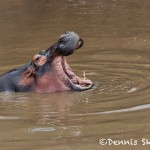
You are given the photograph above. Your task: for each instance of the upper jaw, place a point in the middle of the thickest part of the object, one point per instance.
(66, 45)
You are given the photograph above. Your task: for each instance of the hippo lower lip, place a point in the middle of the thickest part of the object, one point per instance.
(75, 82)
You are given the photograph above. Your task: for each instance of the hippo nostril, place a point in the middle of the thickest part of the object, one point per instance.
(61, 37)
(67, 32)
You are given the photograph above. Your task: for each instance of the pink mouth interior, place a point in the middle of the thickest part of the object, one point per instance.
(82, 81)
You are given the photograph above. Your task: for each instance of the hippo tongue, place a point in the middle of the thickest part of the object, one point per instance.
(76, 82)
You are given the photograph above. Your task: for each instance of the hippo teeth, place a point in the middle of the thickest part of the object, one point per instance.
(84, 76)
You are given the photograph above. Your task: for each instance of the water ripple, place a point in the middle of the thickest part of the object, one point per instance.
(130, 109)
(48, 129)
(9, 118)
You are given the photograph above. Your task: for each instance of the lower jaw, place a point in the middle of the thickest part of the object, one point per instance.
(52, 89)
(59, 86)
(78, 87)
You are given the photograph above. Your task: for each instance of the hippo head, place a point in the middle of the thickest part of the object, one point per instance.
(66, 45)
(68, 42)
(49, 71)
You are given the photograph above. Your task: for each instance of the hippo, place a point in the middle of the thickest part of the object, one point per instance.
(48, 71)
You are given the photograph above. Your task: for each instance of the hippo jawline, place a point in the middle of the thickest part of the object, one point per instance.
(75, 82)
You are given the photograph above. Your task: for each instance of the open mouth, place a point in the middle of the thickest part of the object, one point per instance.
(75, 82)
(56, 57)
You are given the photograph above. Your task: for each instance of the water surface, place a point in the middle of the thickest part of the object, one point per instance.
(115, 55)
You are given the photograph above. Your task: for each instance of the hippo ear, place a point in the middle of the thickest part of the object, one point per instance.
(29, 72)
(39, 60)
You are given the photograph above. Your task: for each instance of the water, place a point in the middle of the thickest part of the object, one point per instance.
(116, 56)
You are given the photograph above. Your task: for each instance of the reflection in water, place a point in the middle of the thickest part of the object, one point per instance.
(49, 129)
(115, 56)
(8, 118)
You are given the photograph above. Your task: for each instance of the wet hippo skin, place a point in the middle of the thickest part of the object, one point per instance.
(48, 71)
